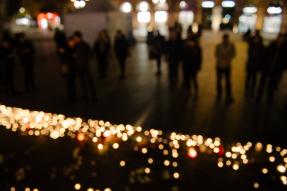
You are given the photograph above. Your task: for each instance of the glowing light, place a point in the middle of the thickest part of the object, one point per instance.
(116, 145)
(81, 137)
(100, 146)
(147, 170)
(161, 16)
(264, 170)
(192, 153)
(78, 4)
(182, 4)
(126, 7)
(235, 167)
(249, 10)
(55, 134)
(207, 4)
(256, 185)
(22, 10)
(150, 160)
(77, 186)
(272, 159)
(122, 163)
(281, 168)
(228, 4)
(143, 6)
(176, 175)
(144, 17)
(274, 10)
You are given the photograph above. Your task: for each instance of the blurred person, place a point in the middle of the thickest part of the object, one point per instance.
(102, 49)
(278, 65)
(121, 48)
(82, 55)
(69, 70)
(254, 63)
(248, 35)
(174, 49)
(26, 50)
(157, 47)
(192, 61)
(225, 53)
(60, 38)
(7, 48)
(178, 28)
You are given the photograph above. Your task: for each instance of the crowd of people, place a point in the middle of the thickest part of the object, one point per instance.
(264, 68)
(13, 49)
(75, 55)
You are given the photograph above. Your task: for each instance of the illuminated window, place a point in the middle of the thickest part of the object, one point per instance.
(228, 4)
(144, 17)
(161, 16)
(126, 7)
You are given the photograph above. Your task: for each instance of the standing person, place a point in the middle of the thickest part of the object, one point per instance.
(254, 63)
(173, 53)
(26, 52)
(157, 45)
(278, 65)
(225, 53)
(192, 60)
(122, 50)
(69, 68)
(60, 38)
(8, 60)
(82, 55)
(102, 49)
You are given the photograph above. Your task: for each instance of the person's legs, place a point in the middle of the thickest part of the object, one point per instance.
(253, 82)
(219, 73)
(247, 82)
(195, 82)
(261, 86)
(272, 86)
(186, 76)
(158, 63)
(122, 63)
(228, 84)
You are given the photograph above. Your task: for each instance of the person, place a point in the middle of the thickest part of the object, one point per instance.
(192, 60)
(26, 50)
(173, 54)
(278, 65)
(69, 68)
(82, 55)
(102, 49)
(247, 35)
(121, 48)
(60, 38)
(225, 53)
(254, 63)
(8, 60)
(157, 45)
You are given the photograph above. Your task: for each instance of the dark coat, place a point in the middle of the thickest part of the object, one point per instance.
(192, 57)
(121, 47)
(174, 50)
(82, 55)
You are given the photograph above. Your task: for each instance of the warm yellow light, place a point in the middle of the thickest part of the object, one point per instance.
(77, 186)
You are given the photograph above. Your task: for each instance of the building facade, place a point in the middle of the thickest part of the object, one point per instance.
(237, 15)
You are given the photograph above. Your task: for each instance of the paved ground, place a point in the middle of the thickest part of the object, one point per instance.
(143, 99)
